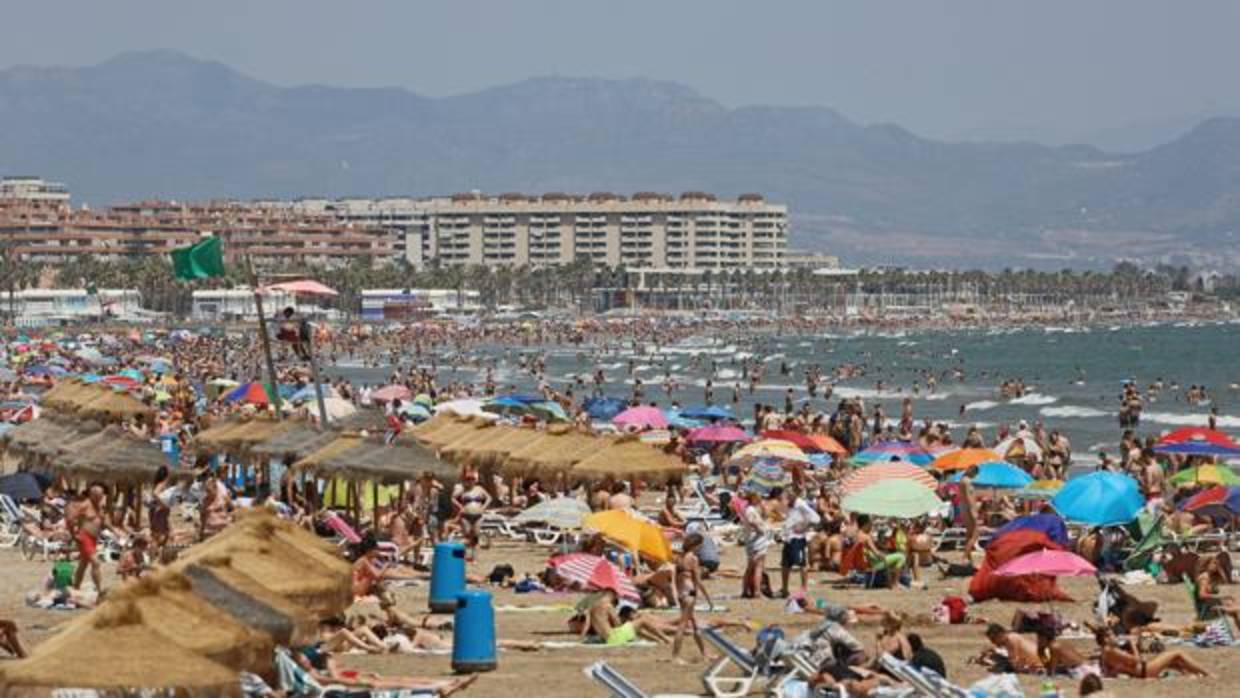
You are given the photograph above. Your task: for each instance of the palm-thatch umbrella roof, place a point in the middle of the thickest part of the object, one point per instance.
(495, 451)
(67, 394)
(253, 604)
(374, 461)
(118, 646)
(237, 435)
(115, 405)
(432, 425)
(477, 436)
(458, 428)
(294, 443)
(556, 450)
(41, 437)
(110, 454)
(628, 458)
(341, 443)
(283, 558)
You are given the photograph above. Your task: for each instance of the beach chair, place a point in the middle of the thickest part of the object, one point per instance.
(11, 519)
(348, 536)
(924, 683)
(296, 681)
(618, 685)
(497, 524)
(747, 668)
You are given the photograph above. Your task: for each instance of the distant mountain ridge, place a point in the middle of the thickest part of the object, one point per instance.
(160, 123)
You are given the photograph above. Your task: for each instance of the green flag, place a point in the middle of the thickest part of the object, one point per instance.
(201, 260)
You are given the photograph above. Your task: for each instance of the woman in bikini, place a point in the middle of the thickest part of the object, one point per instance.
(689, 585)
(471, 502)
(1115, 660)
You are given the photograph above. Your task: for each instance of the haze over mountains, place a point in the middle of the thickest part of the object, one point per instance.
(162, 124)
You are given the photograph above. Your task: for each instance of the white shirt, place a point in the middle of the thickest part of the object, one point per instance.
(799, 520)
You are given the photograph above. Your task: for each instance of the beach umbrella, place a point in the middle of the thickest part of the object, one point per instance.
(21, 487)
(708, 413)
(769, 448)
(631, 531)
(425, 400)
(893, 450)
(465, 407)
(899, 499)
(881, 472)
(766, 475)
(133, 373)
(1197, 441)
(1018, 447)
(7, 374)
(718, 435)
(302, 287)
(307, 393)
(1219, 502)
(389, 393)
(594, 572)
(603, 409)
(339, 408)
(810, 443)
(999, 475)
(965, 458)
(642, 417)
(562, 512)
(1100, 499)
(1206, 475)
(1052, 563)
(679, 421)
(548, 411)
(506, 405)
(248, 393)
(1050, 524)
(90, 355)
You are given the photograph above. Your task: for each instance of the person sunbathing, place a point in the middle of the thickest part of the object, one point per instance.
(1116, 660)
(320, 664)
(1009, 652)
(1059, 657)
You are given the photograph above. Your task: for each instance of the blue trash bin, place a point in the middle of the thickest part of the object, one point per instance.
(473, 633)
(447, 576)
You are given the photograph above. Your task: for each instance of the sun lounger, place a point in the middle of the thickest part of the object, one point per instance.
(618, 685)
(924, 683)
(296, 681)
(11, 518)
(348, 536)
(749, 669)
(502, 525)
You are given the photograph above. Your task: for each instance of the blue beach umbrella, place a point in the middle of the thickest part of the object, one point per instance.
(677, 420)
(708, 412)
(1000, 475)
(548, 411)
(1050, 524)
(603, 409)
(506, 404)
(1100, 499)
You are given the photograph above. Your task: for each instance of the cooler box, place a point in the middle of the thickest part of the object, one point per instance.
(473, 636)
(447, 576)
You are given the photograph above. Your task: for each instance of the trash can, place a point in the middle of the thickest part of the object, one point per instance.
(473, 633)
(447, 576)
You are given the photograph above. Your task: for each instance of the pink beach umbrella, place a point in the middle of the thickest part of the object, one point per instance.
(718, 435)
(389, 393)
(1053, 563)
(642, 418)
(302, 287)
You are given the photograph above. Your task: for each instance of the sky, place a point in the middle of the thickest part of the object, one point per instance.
(1121, 73)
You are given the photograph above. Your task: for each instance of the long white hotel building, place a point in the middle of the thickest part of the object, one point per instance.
(646, 230)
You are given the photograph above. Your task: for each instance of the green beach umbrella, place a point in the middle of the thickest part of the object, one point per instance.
(897, 499)
(1206, 475)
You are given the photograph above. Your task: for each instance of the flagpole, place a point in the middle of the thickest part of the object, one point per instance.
(262, 333)
(314, 376)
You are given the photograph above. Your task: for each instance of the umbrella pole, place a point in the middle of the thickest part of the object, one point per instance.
(266, 341)
(314, 376)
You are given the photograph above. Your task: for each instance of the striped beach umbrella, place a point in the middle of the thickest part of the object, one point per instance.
(594, 572)
(879, 472)
(884, 451)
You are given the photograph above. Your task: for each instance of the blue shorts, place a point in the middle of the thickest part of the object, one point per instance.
(793, 553)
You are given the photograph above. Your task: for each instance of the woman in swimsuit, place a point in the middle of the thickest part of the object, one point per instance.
(1117, 661)
(471, 502)
(688, 585)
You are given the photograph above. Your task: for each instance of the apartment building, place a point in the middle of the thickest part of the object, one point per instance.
(33, 189)
(647, 230)
(53, 232)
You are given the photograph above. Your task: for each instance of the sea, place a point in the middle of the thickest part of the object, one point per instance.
(1073, 376)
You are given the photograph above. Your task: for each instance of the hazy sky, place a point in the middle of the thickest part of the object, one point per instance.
(1048, 69)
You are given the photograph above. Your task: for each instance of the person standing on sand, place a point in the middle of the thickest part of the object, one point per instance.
(688, 586)
(86, 522)
(968, 513)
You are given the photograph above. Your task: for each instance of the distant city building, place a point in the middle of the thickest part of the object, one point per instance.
(647, 230)
(801, 259)
(236, 304)
(33, 189)
(50, 306)
(395, 304)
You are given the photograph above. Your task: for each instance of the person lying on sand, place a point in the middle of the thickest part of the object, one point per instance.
(1009, 652)
(1125, 659)
(320, 663)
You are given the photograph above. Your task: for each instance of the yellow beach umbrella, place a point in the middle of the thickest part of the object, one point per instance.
(630, 530)
(770, 448)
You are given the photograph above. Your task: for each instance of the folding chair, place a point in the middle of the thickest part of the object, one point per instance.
(11, 519)
(924, 683)
(620, 686)
(296, 681)
(751, 669)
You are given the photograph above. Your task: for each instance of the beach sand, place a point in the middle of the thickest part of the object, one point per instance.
(557, 673)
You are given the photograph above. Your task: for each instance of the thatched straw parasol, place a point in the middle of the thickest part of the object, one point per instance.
(628, 458)
(373, 461)
(494, 452)
(115, 405)
(253, 604)
(338, 445)
(432, 425)
(41, 437)
(458, 428)
(295, 443)
(118, 647)
(68, 394)
(285, 559)
(111, 455)
(556, 450)
(479, 433)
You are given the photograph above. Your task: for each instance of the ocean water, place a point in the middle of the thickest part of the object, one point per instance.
(1073, 376)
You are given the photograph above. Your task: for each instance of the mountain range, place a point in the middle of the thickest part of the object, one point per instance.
(163, 124)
